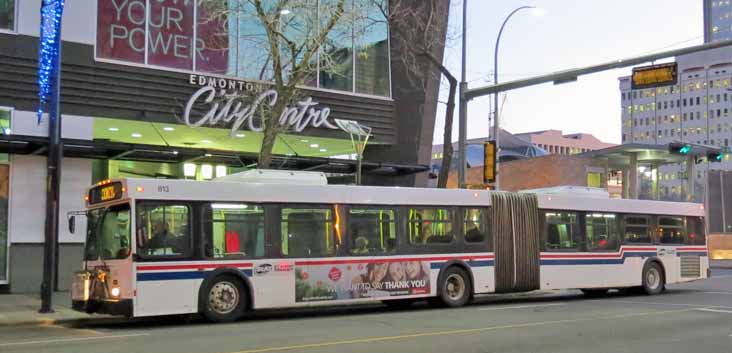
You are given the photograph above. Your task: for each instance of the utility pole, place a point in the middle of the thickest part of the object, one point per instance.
(49, 81)
(463, 117)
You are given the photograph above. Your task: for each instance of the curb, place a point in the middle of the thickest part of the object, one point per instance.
(47, 321)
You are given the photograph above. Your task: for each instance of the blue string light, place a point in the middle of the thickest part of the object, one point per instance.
(48, 56)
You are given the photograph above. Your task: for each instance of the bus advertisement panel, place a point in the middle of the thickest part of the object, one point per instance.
(367, 279)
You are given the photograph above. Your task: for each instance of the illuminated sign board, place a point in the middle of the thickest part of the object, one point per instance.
(654, 76)
(106, 192)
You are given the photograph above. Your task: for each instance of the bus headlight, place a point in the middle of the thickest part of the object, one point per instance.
(115, 292)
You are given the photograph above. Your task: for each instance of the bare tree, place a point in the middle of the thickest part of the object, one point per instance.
(286, 43)
(419, 28)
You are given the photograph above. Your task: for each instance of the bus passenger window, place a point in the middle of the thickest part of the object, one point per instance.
(371, 231)
(234, 230)
(695, 231)
(308, 232)
(430, 226)
(637, 230)
(474, 226)
(163, 230)
(601, 230)
(671, 230)
(561, 230)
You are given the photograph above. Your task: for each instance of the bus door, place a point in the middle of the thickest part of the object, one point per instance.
(516, 237)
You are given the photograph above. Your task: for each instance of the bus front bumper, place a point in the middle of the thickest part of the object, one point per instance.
(104, 306)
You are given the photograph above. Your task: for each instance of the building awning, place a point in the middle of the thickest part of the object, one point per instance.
(104, 149)
(618, 157)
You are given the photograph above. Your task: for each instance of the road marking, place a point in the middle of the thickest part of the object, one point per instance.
(697, 306)
(521, 306)
(715, 310)
(452, 332)
(72, 339)
(728, 293)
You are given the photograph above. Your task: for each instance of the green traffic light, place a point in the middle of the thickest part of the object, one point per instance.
(719, 157)
(685, 149)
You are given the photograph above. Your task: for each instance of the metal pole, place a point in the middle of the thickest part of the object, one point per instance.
(53, 179)
(496, 125)
(463, 118)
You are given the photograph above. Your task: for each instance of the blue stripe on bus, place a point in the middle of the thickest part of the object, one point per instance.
(476, 263)
(170, 276)
(691, 253)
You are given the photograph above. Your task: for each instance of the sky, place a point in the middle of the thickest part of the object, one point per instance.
(571, 34)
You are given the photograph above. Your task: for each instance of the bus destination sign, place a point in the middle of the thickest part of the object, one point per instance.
(105, 192)
(654, 76)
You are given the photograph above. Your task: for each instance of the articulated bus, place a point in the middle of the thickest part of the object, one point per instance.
(258, 240)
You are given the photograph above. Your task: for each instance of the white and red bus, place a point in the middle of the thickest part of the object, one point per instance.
(259, 240)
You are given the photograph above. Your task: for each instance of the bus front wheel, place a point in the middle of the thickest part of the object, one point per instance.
(455, 288)
(225, 299)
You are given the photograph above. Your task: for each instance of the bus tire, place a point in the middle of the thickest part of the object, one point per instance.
(594, 292)
(225, 299)
(653, 278)
(455, 287)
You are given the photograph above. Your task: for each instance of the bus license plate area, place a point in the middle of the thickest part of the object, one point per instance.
(80, 287)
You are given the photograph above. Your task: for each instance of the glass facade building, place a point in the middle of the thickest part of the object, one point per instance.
(717, 20)
(229, 38)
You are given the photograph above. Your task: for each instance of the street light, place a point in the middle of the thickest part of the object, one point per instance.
(496, 127)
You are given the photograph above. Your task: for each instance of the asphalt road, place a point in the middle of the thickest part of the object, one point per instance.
(695, 317)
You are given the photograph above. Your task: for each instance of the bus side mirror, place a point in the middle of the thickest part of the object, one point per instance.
(72, 224)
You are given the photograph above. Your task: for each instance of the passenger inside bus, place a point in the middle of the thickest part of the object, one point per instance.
(360, 246)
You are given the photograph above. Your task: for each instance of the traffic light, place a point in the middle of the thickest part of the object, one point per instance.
(714, 157)
(489, 162)
(679, 148)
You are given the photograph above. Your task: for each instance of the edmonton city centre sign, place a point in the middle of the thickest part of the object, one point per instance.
(234, 103)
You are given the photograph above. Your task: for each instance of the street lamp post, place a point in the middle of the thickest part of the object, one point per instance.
(496, 126)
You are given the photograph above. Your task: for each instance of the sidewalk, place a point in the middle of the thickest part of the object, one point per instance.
(723, 264)
(22, 309)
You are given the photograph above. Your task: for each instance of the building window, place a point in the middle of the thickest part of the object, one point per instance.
(227, 38)
(7, 15)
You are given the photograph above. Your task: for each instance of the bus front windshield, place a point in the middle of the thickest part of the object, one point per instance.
(108, 233)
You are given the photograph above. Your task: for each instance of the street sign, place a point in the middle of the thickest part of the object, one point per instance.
(654, 76)
(489, 162)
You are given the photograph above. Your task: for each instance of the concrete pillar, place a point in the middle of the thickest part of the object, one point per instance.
(633, 177)
(654, 181)
(690, 162)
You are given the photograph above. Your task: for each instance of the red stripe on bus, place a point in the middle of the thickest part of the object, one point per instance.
(358, 261)
(595, 256)
(192, 266)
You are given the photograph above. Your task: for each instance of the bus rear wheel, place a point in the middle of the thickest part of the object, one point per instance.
(225, 299)
(455, 288)
(653, 279)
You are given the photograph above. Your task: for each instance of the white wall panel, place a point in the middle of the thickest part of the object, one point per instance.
(72, 126)
(78, 22)
(28, 198)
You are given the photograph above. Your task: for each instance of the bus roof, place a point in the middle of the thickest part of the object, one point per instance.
(228, 191)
